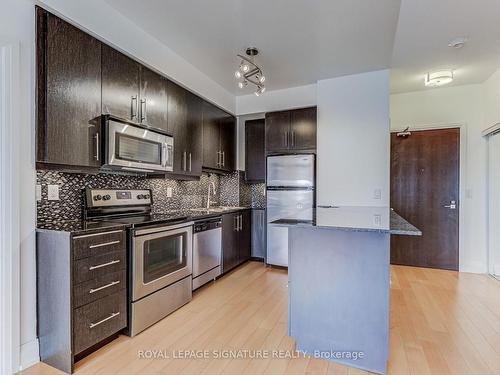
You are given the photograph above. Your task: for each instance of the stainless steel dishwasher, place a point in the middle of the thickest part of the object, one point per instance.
(207, 250)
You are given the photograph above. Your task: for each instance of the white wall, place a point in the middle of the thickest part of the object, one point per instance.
(17, 24)
(353, 140)
(294, 97)
(107, 24)
(460, 105)
(492, 100)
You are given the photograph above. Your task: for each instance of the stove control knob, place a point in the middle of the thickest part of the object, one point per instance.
(97, 197)
(146, 196)
(140, 196)
(107, 197)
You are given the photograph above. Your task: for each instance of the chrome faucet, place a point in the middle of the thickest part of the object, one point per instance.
(210, 184)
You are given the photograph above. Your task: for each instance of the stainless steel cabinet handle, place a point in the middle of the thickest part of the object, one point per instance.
(219, 158)
(113, 315)
(164, 155)
(236, 223)
(96, 138)
(97, 234)
(241, 222)
(184, 161)
(104, 244)
(286, 139)
(293, 139)
(143, 110)
(223, 158)
(133, 113)
(104, 265)
(104, 286)
(190, 159)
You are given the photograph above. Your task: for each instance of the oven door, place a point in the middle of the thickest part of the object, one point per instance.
(161, 256)
(133, 148)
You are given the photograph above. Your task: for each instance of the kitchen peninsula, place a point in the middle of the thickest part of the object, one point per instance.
(339, 283)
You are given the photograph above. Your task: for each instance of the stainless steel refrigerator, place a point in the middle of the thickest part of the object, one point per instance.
(290, 190)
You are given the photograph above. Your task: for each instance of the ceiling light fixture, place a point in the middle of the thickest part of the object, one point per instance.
(458, 42)
(440, 78)
(249, 71)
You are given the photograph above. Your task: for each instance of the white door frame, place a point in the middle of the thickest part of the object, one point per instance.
(9, 208)
(462, 182)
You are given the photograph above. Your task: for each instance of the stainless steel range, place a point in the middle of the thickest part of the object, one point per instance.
(160, 253)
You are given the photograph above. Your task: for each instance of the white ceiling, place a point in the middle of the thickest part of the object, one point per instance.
(304, 41)
(299, 41)
(424, 29)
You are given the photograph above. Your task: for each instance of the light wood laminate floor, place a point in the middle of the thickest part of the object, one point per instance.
(442, 322)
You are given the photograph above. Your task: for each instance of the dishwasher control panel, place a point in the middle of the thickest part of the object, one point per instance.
(208, 224)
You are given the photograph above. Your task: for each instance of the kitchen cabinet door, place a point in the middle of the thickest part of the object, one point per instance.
(228, 142)
(303, 129)
(255, 153)
(120, 85)
(211, 136)
(69, 93)
(177, 125)
(245, 236)
(195, 134)
(258, 233)
(230, 236)
(153, 101)
(277, 131)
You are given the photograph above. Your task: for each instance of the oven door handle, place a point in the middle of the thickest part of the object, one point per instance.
(163, 229)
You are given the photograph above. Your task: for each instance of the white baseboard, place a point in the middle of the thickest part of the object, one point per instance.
(473, 267)
(29, 354)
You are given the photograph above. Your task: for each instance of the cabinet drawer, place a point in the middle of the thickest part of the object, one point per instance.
(98, 320)
(100, 265)
(92, 290)
(89, 245)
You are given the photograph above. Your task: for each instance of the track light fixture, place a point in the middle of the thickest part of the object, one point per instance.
(250, 72)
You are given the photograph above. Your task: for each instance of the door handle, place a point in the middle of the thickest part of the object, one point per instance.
(190, 162)
(184, 161)
(235, 223)
(113, 283)
(115, 314)
(241, 222)
(286, 139)
(132, 107)
(91, 268)
(451, 206)
(293, 139)
(219, 158)
(223, 158)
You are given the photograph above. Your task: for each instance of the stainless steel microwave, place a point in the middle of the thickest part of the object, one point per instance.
(132, 147)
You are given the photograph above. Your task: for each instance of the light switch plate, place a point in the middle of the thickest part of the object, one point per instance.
(169, 192)
(38, 192)
(53, 192)
(377, 194)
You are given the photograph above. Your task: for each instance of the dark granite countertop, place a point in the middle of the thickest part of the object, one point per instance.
(91, 226)
(358, 219)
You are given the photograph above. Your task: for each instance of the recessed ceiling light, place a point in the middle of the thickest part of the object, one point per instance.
(438, 78)
(458, 43)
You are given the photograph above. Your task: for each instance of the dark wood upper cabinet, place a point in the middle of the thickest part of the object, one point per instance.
(303, 129)
(153, 105)
(195, 134)
(255, 153)
(120, 84)
(185, 124)
(277, 130)
(228, 142)
(177, 124)
(211, 136)
(291, 131)
(69, 93)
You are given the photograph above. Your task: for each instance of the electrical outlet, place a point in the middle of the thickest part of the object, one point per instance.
(38, 192)
(169, 192)
(53, 192)
(377, 220)
(377, 194)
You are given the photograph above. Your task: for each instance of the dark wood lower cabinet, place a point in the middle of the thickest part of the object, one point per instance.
(81, 292)
(236, 239)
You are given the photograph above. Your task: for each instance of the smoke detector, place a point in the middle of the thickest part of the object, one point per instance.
(458, 43)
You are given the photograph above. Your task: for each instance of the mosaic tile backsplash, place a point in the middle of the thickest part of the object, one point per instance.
(231, 190)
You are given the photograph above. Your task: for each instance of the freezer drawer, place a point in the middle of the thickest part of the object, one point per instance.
(290, 171)
(285, 204)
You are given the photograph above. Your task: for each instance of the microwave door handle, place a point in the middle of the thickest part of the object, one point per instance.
(163, 155)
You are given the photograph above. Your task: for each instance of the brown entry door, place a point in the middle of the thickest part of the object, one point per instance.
(425, 190)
